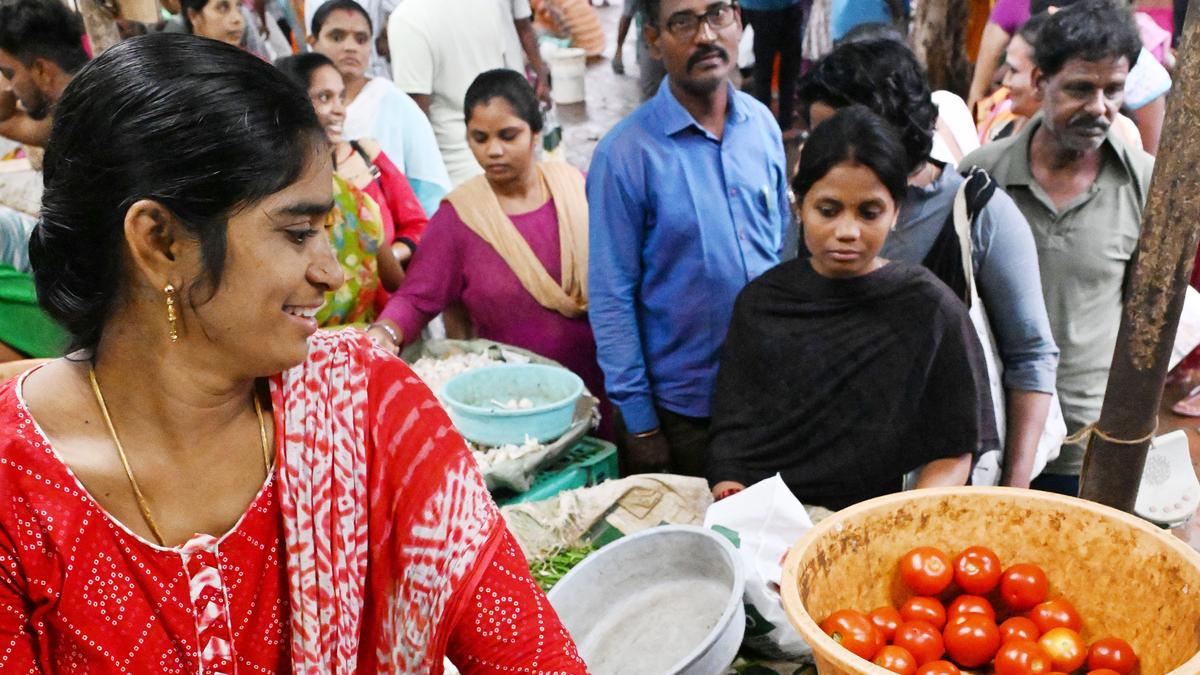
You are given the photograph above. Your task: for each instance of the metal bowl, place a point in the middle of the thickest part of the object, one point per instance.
(664, 600)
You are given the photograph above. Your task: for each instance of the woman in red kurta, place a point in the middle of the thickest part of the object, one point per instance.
(208, 485)
(79, 592)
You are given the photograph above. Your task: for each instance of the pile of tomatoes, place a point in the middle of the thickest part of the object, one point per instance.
(926, 636)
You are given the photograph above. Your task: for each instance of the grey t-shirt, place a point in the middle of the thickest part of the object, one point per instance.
(1006, 274)
(1084, 251)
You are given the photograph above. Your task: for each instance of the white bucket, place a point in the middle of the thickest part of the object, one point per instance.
(567, 68)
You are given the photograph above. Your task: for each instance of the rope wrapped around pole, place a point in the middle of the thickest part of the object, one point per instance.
(1112, 471)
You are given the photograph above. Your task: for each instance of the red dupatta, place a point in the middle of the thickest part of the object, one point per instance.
(378, 598)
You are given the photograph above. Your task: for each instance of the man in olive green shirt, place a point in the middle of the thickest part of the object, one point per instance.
(1082, 191)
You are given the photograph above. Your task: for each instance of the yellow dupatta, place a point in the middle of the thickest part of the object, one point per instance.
(480, 210)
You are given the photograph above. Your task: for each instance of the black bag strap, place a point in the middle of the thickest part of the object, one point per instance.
(945, 256)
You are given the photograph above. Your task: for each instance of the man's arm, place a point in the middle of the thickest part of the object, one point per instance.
(1149, 120)
(1010, 286)
(991, 49)
(1026, 414)
(24, 129)
(15, 124)
(412, 59)
(422, 101)
(530, 46)
(616, 234)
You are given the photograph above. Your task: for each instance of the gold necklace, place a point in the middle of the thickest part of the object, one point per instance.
(137, 491)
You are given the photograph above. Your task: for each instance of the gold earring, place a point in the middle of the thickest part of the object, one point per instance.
(169, 290)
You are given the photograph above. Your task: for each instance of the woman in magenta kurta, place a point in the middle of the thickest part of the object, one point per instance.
(208, 484)
(455, 264)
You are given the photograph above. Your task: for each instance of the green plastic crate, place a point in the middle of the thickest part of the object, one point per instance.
(590, 462)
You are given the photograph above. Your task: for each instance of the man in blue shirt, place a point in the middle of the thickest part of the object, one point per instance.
(688, 202)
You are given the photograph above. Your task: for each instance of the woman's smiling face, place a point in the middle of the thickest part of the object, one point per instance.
(279, 265)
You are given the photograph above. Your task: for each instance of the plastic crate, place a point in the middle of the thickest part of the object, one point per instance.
(591, 462)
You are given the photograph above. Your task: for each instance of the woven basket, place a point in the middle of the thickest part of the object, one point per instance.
(1126, 578)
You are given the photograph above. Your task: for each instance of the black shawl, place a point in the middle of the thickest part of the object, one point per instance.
(845, 385)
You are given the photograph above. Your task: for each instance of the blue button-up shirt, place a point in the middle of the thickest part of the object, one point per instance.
(679, 222)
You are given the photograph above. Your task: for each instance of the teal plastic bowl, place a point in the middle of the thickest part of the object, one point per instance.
(473, 400)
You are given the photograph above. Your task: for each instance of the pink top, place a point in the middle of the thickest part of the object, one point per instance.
(454, 264)
(1010, 14)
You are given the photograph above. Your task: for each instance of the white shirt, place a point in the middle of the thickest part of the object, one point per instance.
(438, 49)
(953, 112)
(511, 11)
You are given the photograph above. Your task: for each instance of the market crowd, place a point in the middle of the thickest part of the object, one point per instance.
(212, 459)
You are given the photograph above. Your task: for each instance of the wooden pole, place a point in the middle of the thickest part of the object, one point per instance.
(100, 22)
(1112, 471)
(144, 11)
(939, 40)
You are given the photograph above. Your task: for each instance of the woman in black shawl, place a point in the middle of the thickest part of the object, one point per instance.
(842, 371)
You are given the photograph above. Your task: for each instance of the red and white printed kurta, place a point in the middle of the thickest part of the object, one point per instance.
(79, 593)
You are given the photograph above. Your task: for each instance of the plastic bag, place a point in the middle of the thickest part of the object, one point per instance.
(764, 521)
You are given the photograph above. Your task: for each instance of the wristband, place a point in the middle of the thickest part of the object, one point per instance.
(647, 434)
(389, 330)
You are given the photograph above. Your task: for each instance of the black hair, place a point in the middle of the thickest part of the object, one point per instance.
(300, 67)
(884, 76)
(1091, 30)
(872, 30)
(42, 29)
(199, 126)
(854, 134)
(323, 12)
(1031, 30)
(650, 9)
(510, 86)
(194, 5)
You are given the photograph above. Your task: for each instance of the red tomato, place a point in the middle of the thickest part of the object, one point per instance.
(1019, 627)
(1101, 671)
(921, 640)
(926, 570)
(972, 641)
(1022, 586)
(939, 668)
(1056, 613)
(1065, 647)
(1022, 657)
(886, 620)
(977, 570)
(1112, 653)
(920, 608)
(970, 604)
(897, 660)
(853, 631)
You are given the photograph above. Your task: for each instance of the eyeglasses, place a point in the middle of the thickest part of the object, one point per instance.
(684, 25)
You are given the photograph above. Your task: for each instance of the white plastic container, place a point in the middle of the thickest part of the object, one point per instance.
(567, 69)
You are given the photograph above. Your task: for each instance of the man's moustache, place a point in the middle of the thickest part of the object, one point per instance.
(704, 54)
(1100, 124)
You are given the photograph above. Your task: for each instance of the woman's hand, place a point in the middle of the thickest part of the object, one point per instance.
(387, 335)
(726, 488)
(948, 472)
